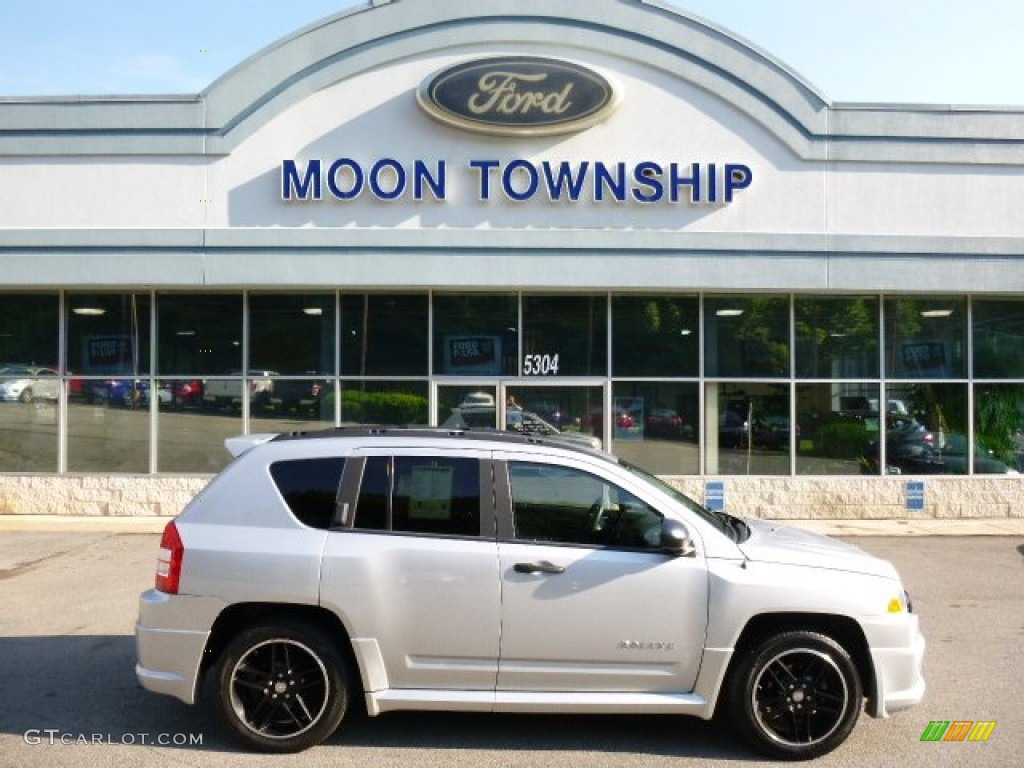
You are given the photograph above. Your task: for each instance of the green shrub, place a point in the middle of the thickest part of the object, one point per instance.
(383, 407)
(843, 440)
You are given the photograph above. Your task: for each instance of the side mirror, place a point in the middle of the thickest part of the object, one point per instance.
(675, 539)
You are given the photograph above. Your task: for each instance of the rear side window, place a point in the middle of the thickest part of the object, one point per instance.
(420, 494)
(309, 488)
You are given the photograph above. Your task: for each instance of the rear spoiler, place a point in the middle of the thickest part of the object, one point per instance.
(238, 445)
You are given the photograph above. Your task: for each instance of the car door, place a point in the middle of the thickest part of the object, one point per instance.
(414, 572)
(590, 603)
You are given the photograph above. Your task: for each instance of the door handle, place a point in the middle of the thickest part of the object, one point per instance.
(542, 567)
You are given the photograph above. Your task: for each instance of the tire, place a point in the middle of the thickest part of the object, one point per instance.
(26, 395)
(796, 695)
(282, 687)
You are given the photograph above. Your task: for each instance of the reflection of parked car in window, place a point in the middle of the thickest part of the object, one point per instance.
(26, 383)
(127, 392)
(733, 430)
(623, 419)
(298, 395)
(222, 393)
(664, 422)
(910, 449)
(481, 415)
(186, 392)
(953, 458)
(772, 432)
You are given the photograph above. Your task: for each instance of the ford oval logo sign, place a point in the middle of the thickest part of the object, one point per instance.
(518, 95)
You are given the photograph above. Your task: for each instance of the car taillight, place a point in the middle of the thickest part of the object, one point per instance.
(168, 563)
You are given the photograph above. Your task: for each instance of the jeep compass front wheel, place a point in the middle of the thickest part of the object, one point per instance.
(796, 695)
(282, 688)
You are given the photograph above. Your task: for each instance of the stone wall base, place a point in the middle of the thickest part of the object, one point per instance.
(779, 498)
(98, 495)
(863, 498)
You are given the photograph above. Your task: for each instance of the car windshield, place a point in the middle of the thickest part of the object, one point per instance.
(719, 520)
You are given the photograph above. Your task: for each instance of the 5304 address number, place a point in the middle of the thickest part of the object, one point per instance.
(540, 365)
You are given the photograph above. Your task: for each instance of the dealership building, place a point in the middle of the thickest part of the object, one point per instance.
(609, 222)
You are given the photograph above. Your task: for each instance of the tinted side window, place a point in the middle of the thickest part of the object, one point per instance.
(420, 494)
(309, 488)
(436, 495)
(569, 506)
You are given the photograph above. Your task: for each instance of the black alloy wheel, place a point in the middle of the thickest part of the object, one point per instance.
(796, 695)
(282, 688)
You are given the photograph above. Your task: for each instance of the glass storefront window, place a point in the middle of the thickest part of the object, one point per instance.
(199, 334)
(108, 425)
(476, 334)
(838, 427)
(747, 429)
(191, 430)
(497, 360)
(291, 405)
(109, 334)
(925, 337)
(998, 338)
(571, 413)
(29, 324)
(657, 426)
(292, 335)
(28, 433)
(388, 403)
(836, 337)
(655, 336)
(925, 428)
(746, 336)
(29, 387)
(384, 335)
(998, 428)
(565, 336)
(467, 406)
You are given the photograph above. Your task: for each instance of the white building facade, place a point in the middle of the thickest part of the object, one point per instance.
(609, 220)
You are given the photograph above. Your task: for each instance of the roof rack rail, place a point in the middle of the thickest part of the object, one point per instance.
(418, 430)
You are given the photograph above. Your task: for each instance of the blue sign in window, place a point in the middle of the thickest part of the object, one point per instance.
(714, 495)
(915, 496)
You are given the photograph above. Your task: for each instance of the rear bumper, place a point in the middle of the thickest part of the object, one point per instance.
(897, 653)
(170, 640)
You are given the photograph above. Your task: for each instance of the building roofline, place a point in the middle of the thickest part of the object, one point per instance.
(378, 32)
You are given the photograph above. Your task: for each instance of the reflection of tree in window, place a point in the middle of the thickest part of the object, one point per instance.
(747, 336)
(836, 338)
(654, 336)
(999, 422)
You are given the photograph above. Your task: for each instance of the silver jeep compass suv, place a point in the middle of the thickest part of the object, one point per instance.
(412, 569)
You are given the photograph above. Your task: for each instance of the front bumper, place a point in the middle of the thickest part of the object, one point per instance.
(170, 640)
(897, 653)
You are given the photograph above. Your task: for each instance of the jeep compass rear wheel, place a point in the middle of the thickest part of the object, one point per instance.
(796, 696)
(282, 688)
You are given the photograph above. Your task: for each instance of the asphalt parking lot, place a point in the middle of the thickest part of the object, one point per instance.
(69, 696)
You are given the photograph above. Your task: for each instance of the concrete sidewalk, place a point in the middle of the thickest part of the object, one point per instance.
(909, 527)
